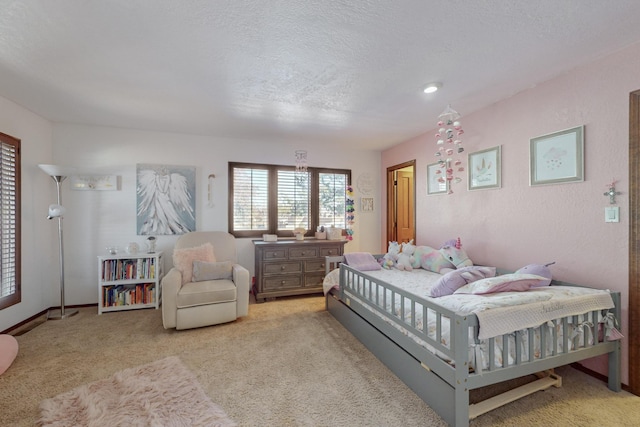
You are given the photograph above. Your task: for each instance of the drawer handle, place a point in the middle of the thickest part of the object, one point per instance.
(282, 267)
(322, 265)
(302, 253)
(282, 283)
(330, 251)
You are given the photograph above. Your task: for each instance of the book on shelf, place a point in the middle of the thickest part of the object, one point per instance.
(123, 295)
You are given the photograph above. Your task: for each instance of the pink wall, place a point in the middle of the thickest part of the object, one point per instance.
(517, 224)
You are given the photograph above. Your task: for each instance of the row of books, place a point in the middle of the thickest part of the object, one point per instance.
(124, 269)
(120, 295)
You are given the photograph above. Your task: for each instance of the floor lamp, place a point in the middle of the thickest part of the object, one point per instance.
(58, 174)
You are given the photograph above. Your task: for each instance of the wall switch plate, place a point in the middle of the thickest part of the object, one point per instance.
(612, 214)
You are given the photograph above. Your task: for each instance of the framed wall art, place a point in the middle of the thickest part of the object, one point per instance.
(485, 168)
(366, 204)
(558, 157)
(94, 182)
(166, 199)
(436, 182)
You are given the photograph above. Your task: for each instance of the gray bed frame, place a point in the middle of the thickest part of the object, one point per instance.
(445, 386)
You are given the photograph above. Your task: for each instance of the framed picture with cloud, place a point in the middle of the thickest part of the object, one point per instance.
(558, 157)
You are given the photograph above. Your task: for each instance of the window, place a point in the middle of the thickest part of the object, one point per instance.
(271, 199)
(9, 220)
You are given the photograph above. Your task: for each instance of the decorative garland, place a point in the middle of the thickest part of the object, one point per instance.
(449, 145)
(350, 212)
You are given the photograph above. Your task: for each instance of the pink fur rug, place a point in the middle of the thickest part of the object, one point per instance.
(162, 393)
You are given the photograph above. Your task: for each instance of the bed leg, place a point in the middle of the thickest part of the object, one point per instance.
(462, 409)
(615, 357)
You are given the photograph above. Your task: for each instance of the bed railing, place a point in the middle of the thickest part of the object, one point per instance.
(561, 341)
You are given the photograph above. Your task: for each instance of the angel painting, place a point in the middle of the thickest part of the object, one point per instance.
(166, 201)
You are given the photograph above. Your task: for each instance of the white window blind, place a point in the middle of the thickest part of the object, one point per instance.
(332, 193)
(293, 200)
(250, 199)
(9, 221)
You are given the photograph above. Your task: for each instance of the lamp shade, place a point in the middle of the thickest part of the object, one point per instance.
(55, 170)
(56, 211)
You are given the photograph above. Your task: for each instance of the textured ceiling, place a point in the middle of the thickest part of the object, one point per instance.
(309, 71)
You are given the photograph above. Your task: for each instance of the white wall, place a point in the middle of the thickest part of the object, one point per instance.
(39, 281)
(97, 219)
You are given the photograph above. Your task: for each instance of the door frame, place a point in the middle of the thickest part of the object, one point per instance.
(634, 243)
(391, 199)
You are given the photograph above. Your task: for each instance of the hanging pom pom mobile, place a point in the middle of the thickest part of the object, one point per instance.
(449, 142)
(350, 212)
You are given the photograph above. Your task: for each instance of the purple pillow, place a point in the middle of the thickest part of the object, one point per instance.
(362, 261)
(453, 280)
(539, 270)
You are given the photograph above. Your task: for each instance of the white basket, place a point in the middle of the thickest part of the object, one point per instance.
(334, 233)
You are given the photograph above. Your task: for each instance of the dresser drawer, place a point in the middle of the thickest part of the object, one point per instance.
(330, 251)
(314, 265)
(282, 267)
(281, 282)
(313, 279)
(303, 253)
(277, 253)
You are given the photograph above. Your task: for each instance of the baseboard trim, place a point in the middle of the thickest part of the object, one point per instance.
(33, 321)
(596, 375)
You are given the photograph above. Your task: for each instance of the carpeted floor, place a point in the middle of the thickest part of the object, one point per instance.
(289, 363)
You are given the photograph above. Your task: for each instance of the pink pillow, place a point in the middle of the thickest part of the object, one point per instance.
(183, 259)
(8, 351)
(447, 284)
(515, 282)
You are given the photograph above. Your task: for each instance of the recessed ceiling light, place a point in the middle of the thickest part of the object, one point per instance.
(432, 87)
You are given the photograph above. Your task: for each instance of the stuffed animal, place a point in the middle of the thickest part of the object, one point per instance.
(448, 258)
(391, 257)
(406, 258)
(539, 270)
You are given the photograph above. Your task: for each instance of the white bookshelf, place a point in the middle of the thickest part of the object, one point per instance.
(128, 282)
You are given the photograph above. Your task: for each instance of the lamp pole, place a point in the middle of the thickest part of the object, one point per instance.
(56, 174)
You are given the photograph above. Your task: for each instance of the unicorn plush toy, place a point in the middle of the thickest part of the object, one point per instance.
(406, 258)
(390, 259)
(449, 257)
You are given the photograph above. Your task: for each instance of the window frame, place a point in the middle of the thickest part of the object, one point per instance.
(272, 198)
(16, 296)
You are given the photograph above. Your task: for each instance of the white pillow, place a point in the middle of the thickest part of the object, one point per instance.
(515, 282)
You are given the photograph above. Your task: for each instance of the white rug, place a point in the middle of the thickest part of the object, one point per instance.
(162, 393)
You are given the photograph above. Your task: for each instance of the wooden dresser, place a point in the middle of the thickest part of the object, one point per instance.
(292, 267)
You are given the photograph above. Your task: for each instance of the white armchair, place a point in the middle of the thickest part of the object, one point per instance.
(207, 302)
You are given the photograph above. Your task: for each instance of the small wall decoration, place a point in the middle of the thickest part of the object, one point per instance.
(94, 182)
(366, 204)
(436, 182)
(365, 183)
(485, 169)
(165, 199)
(557, 157)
